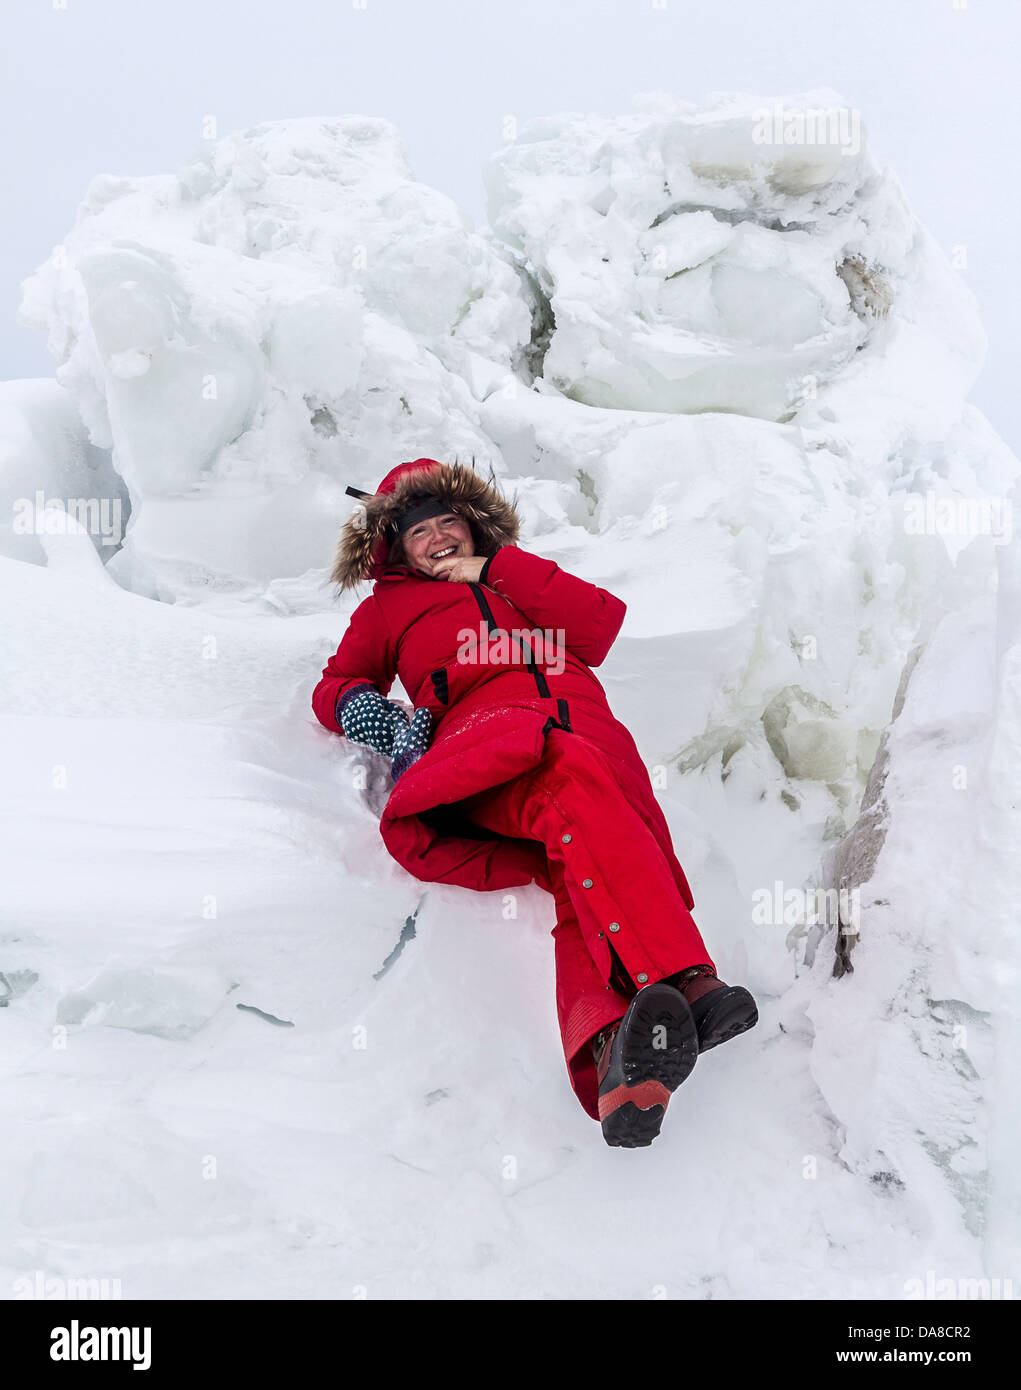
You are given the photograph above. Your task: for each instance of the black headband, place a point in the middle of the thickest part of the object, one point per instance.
(421, 512)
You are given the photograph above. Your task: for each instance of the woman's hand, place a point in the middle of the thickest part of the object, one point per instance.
(460, 569)
(366, 718)
(410, 742)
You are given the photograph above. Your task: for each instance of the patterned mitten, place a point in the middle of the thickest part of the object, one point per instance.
(411, 742)
(367, 718)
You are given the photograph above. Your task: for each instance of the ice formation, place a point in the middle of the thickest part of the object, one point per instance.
(287, 312)
(726, 376)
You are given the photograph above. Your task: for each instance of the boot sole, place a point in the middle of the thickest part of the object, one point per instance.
(651, 1073)
(728, 1013)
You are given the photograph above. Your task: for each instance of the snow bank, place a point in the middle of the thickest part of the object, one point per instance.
(915, 1026)
(54, 482)
(748, 420)
(185, 841)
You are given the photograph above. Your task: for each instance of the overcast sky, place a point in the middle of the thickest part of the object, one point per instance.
(122, 87)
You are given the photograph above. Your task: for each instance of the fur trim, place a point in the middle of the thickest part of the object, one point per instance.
(368, 533)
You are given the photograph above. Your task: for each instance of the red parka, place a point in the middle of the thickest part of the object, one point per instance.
(490, 719)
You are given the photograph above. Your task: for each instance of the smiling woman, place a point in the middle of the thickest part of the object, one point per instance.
(527, 777)
(436, 542)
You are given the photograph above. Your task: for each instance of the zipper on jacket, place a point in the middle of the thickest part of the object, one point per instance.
(484, 608)
(541, 683)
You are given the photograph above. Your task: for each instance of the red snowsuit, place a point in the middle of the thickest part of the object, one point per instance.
(535, 758)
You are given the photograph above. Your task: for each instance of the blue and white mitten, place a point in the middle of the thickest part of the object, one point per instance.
(411, 742)
(368, 719)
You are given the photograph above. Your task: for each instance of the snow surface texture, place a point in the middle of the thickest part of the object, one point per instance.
(721, 376)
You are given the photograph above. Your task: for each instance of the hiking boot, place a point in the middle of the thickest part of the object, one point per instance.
(720, 1011)
(640, 1062)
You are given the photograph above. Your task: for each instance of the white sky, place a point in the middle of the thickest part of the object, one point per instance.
(122, 86)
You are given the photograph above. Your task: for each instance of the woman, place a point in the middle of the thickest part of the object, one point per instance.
(512, 770)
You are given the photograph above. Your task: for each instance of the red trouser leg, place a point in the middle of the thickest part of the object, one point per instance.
(612, 883)
(585, 1002)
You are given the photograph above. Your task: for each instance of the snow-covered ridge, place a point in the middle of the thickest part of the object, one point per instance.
(726, 376)
(691, 259)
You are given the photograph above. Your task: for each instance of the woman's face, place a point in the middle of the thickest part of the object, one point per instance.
(437, 538)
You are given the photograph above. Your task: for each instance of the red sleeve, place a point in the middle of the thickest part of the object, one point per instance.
(549, 597)
(365, 655)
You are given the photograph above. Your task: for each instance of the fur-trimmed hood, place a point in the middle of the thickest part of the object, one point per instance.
(368, 533)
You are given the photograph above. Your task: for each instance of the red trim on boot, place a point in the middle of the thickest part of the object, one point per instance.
(698, 980)
(645, 1095)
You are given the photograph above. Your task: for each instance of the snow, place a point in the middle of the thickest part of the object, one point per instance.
(688, 264)
(46, 463)
(220, 1077)
(250, 334)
